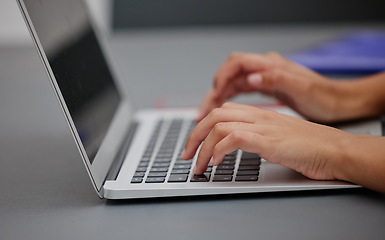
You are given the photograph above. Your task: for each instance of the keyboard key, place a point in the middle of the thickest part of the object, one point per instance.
(224, 172)
(155, 180)
(182, 166)
(227, 162)
(250, 163)
(180, 171)
(178, 178)
(162, 160)
(247, 155)
(200, 178)
(156, 165)
(164, 169)
(136, 180)
(139, 174)
(246, 178)
(240, 168)
(157, 174)
(222, 178)
(143, 164)
(225, 167)
(230, 157)
(141, 169)
(249, 172)
(183, 163)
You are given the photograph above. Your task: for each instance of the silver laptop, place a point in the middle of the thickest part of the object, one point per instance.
(136, 154)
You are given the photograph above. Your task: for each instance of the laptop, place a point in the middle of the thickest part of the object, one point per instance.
(135, 154)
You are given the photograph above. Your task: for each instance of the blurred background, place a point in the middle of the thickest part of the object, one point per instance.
(166, 13)
(118, 15)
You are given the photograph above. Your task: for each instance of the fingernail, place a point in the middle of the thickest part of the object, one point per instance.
(212, 161)
(195, 169)
(183, 153)
(255, 79)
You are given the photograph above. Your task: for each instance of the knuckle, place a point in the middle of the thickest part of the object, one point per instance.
(219, 127)
(227, 105)
(236, 137)
(275, 75)
(215, 113)
(234, 55)
(272, 54)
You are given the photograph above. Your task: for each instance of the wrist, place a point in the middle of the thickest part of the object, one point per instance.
(352, 101)
(343, 164)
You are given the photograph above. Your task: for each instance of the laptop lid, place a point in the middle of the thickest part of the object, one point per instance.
(97, 110)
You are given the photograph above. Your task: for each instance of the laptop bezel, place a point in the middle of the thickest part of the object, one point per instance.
(120, 123)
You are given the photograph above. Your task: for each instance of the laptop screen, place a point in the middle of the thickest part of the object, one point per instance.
(78, 64)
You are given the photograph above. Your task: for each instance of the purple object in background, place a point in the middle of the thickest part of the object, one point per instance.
(358, 52)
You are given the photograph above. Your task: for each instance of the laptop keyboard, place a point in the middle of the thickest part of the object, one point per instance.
(162, 164)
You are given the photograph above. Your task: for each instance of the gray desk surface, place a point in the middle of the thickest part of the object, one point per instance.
(46, 193)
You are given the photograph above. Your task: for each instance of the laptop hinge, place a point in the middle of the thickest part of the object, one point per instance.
(117, 163)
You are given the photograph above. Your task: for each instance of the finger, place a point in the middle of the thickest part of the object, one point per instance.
(200, 132)
(248, 141)
(236, 64)
(276, 79)
(210, 102)
(220, 131)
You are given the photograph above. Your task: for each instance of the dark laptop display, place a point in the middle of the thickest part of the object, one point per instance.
(79, 67)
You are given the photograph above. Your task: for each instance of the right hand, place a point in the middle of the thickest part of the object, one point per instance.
(310, 94)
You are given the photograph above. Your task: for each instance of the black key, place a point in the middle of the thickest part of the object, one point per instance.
(178, 178)
(224, 172)
(141, 169)
(240, 168)
(250, 163)
(183, 163)
(162, 160)
(146, 159)
(157, 174)
(136, 180)
(222, 178)
(249, 172)
(155, 180)
(182, 167)
(159, 169)
(143, 164)
(232, 154)
(247, 155)
(180, 171)
(164, 155)
(230, 157)
(227, 162)
(159, 165)
(139, 174)
(225, 167)
(200, 178)
(247, 178)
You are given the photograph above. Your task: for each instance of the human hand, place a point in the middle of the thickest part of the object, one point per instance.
(306, 147)
(310, 94)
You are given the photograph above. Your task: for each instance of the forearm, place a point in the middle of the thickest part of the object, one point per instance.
(362, 161)
(361, 98)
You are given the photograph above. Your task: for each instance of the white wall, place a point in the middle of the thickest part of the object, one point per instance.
(14, 32)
